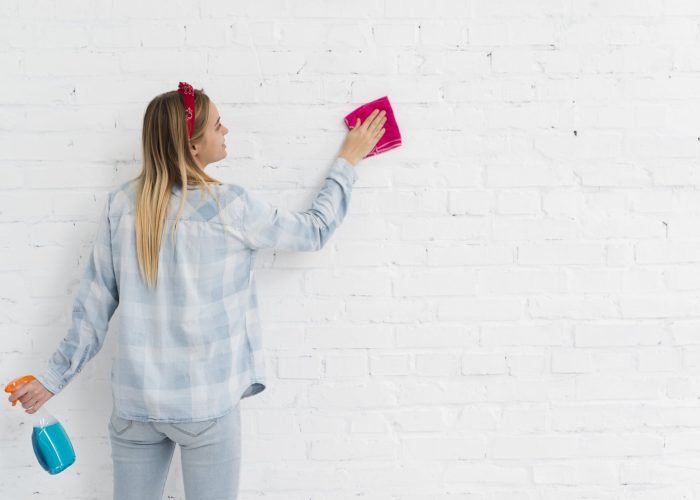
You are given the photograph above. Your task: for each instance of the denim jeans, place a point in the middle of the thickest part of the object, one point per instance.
(210, 452)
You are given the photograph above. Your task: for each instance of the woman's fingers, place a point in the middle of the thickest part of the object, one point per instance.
(381, 123)
(19, 393)
(34, 404)
(370, 119)
(377, 125)
(28, 400)
(377, 121)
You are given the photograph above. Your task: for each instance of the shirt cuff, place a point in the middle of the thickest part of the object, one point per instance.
(51, 381)
(346, 168)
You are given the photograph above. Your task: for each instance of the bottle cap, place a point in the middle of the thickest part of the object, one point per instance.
(12, 386)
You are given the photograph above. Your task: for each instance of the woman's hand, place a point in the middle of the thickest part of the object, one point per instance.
(32, 395)
(363, 137)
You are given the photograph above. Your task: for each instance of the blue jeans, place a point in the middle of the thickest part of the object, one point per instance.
(210, 452)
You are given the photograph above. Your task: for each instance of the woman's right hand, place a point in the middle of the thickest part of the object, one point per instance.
(363, 137)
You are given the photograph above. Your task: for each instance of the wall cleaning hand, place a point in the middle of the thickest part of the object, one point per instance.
(391, 138)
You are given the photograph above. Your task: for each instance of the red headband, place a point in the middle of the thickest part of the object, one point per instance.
(187, 92)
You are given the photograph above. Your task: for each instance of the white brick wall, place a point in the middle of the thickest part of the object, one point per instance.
(512, 307)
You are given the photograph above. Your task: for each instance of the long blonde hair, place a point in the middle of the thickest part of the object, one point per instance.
(167, 161)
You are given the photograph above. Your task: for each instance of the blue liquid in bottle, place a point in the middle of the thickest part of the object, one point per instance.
(51, 444)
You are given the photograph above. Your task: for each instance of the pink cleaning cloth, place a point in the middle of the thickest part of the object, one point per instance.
(391, 138)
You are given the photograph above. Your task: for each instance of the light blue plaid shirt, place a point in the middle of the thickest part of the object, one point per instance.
(190, 348)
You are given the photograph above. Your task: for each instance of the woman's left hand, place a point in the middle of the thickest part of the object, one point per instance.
(32, 395)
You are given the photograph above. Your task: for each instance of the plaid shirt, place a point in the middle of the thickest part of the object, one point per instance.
(190, 348)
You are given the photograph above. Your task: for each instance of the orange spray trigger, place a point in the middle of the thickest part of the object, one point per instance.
(12, 386)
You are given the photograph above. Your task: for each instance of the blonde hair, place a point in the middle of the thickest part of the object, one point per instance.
(167, 161)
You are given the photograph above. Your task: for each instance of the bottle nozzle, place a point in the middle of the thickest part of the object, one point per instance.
(12, 386)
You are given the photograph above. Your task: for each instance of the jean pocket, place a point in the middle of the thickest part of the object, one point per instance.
(195, 429)
(119, 425)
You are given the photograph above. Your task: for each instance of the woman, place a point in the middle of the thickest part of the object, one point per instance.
(189, 345)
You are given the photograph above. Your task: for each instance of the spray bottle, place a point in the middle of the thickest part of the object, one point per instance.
(51, 444)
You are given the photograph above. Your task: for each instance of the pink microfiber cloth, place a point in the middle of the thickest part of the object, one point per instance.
(391, 138)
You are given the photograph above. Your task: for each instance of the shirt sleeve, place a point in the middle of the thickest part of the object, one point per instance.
(95, 303)
(266, 226)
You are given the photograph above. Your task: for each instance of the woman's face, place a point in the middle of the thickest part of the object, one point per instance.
(210, 147)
